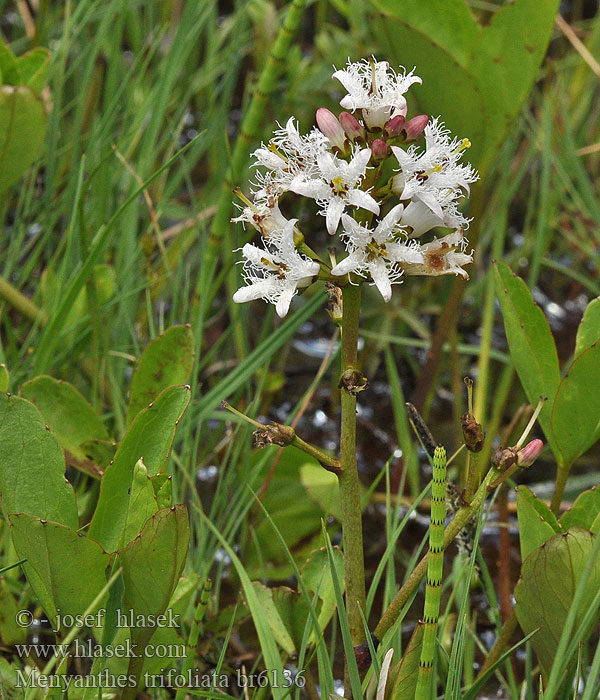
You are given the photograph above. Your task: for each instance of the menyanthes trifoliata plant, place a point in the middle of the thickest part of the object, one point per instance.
(382, 183)
(344, 165)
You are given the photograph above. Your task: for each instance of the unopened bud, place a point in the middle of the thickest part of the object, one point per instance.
(472, 433)
(330, 127)
(528, 454)
(351, 126)
(379, 149)
(416, 126)
(396, 125)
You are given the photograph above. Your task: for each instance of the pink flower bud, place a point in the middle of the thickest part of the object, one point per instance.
(416, 126)
(528, 454)
(379, 149)
(330, 127)
(396, 125)
(351, 126)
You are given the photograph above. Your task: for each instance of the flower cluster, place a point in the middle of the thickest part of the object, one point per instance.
(339, 164)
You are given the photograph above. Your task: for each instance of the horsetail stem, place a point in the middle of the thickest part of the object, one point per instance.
(435, 565)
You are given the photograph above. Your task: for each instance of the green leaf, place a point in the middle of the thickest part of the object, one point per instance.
(403, 674)
(575, 417)
(493, 68)
(322, 487)
(32, 466)
(9, 681)
(588, 332)
(166, 361)
(532, 347)
(66, 570)
(33, 68)
(427, 38)
(67, 413)
(4, 378)
(100, 452)
(287, 611)
(30, 69)
(295, 515)
(179, 604)
(9, 73)
(584, 511)
(315, 574)
(150, 436)
(545, 591)
(152, 564)
(22, 127)
(282, 609)
(163, 490)
(505, 63)
(142, 502)
(537, 523)
(11, 632)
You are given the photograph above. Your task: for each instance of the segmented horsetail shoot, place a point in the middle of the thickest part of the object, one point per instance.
(188, 664)
(435, 565)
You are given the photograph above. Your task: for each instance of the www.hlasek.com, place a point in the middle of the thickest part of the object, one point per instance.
(90, 650)
(172, 678)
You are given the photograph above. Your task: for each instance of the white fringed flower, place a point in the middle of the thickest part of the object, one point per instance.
(434, 176)
(277, 272)
(377, 253)
(265, 216)
(442, 256)
(288, 154)
(375, 88)
(421, 218)
(335, 185)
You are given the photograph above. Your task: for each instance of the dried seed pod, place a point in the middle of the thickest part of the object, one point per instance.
(473, 433)
(352, 381)
(273, 434)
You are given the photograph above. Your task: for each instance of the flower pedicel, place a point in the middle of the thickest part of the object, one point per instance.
(339, 166)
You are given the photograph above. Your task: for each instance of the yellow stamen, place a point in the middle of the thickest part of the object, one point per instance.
(241, 196)
(465, 143)
(436, 169)
(273, 148)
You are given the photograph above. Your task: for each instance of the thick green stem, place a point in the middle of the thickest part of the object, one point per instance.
(354, 572)
(462, 517)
